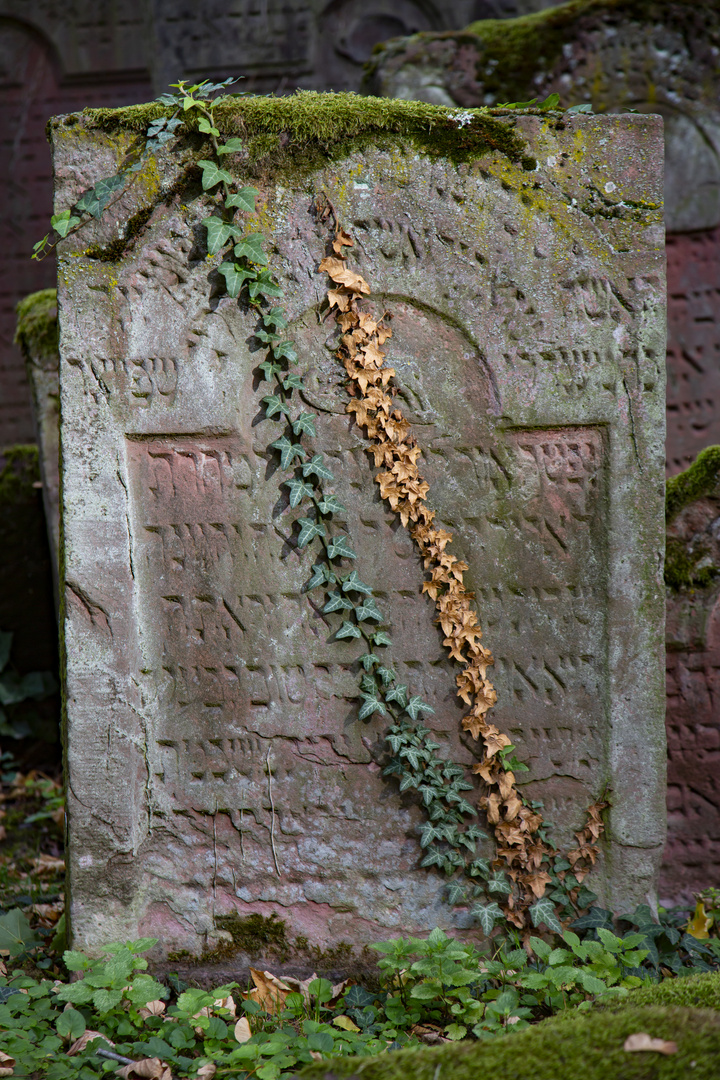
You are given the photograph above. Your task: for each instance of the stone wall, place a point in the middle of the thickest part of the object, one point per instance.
(215, 762)
(658, 57)
(55, 58)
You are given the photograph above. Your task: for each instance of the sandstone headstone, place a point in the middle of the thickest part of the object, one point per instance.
(658, 57)
(215, 759)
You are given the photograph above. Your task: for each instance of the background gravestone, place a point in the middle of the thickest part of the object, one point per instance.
(656, 56)
(215, 762)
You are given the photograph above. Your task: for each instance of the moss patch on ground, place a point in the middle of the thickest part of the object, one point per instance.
(307, 129)
(37, 323)
(699, 479)
(584, 1046)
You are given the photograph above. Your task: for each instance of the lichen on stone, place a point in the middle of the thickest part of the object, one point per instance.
(37, 324)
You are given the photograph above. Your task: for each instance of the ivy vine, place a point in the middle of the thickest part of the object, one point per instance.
(513, 884)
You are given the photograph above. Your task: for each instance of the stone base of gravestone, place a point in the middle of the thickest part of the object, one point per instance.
(216, 765)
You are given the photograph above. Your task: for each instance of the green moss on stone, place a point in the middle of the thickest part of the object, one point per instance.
(37, 324)
(19, 472)
(511, 52)
(585, 1045)
(307, 129)
(256, 935)
(697, 480)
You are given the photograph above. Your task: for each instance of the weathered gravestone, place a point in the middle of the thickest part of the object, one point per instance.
(215, 759)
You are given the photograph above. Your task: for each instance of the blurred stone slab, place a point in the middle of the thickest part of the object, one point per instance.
(659, 58)
(37, 335)
(215, 762)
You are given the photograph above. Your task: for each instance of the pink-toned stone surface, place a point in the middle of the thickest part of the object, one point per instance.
(210, 719)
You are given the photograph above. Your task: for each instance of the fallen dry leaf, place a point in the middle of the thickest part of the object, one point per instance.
(146, 1069)
(700, 923)
(269, 992)
(79, 1045)
(345, 1023)
(7, 1064)
(242, 1030)
(206, 1072)
(153, 1008)
(227, 1003)
(642, 1041)
(47, 864)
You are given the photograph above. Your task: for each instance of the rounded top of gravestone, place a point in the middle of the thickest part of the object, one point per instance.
(644, 55)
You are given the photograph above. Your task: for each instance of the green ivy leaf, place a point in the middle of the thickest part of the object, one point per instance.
(243, 199)
(330, 504)
(251, 247)
(543, 911)
(399, 694)
(305, 424)
(337, 602)
(316, 465)
(63, 223)
(415, 706)
(286, 350)
(498, 883)
(234, 146)
(370, 704)
(456, 893)
(368, 659)
(321, 574)
(275, 404)
(352, 583)
(235, 277)
(368, 609)
(298, 491)
(265, 286)
(288, 451)
(265, 337)
(275, 316)
(348, 629)
(309, 530)
(338, 548)
(433, 858)
(487, 915)
(381, 637)
(212, 175)
(428, 833)
(207, 128)
(293, 382)
(219, 232)
(270, 369)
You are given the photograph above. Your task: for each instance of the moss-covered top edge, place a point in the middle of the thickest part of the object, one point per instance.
(697, 480)
(307, 113)
(36, 331)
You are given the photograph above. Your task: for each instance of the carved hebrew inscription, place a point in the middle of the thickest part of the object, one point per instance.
(140, 381)
(536, 545)
(236, 654)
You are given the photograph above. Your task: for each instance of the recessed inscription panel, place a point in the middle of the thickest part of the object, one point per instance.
(236, 654)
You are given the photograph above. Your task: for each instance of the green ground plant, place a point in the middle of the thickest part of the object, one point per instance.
(115, 1014)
